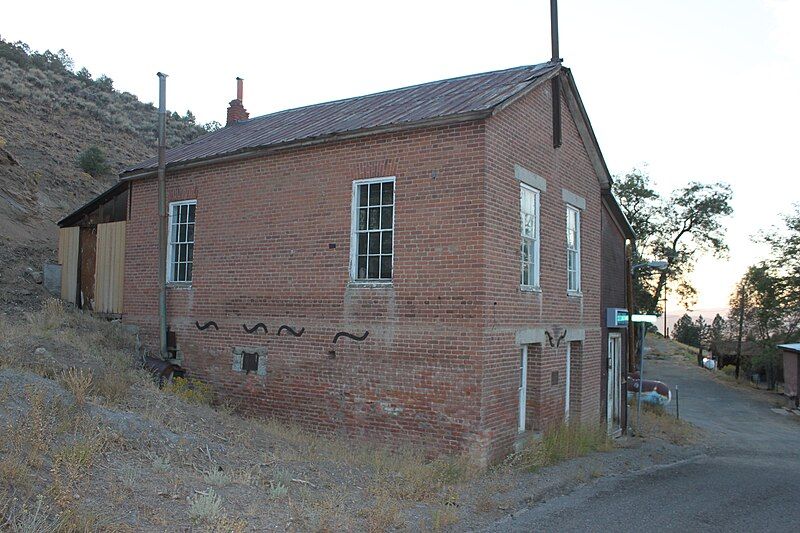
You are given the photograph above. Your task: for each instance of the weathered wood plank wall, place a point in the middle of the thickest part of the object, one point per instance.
(68, 239)
(109, 269)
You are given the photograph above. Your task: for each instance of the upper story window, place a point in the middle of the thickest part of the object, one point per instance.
(372, 239)
(180, 248)
(573, 249)
(529, 249)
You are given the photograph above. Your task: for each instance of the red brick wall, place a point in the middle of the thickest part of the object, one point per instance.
(263, 229)
(441, 365)
(522, 134)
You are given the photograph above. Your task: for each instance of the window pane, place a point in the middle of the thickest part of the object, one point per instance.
(362, 266)
(189, 272)
(374, 243)
(191, 212)
(182, 233)
(373, 264)
(362, 243)
(525, 249)
(190, 254)
(362, 195)
(374, 218)
(190, 233)
(174, 274)
(525, 278)
(362, 219)
(181, 272)
(386, 217)
(375, 194)
(386, 266)
(386, 242)
(173, 233)
(388, 193)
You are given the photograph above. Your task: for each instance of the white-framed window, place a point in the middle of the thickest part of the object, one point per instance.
(180, 246)
(529, 247)
(573, 249)
(372, 233)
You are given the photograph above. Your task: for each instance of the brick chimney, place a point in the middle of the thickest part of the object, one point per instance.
(236, 110)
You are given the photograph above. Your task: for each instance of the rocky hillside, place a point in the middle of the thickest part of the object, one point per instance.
(49, 115)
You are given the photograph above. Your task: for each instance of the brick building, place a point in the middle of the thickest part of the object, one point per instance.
(436, 225)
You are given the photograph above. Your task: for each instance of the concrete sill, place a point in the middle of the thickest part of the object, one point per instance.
(182, 285)
(575, 294)
(370, 285)
(528, 288)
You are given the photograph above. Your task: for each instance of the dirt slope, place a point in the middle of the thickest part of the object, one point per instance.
(48, 116)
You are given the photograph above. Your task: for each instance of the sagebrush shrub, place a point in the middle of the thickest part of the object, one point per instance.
(93, 161)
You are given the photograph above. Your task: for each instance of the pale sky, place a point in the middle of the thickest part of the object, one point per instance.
(703, 89)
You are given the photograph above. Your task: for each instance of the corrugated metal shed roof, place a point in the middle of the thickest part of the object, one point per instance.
(791, 347)
(399, 107)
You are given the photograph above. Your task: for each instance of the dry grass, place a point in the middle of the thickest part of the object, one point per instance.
(560, 443)
(656, 422)
(78, 382)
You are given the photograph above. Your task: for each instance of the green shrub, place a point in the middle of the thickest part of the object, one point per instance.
(93, 161)
(191, 390)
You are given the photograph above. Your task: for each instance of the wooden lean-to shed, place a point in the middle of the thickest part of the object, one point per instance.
(791, 372)
(91, 252)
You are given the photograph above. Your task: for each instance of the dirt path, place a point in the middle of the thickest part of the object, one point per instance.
(747, 478)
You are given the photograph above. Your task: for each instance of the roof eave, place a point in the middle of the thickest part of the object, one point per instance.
(248, 153)
(76, 214)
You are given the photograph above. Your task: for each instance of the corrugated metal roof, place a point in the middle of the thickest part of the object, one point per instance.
(790, 347)
(398, 107)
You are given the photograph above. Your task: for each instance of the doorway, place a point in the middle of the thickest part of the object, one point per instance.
(523, 388)
(614, 385)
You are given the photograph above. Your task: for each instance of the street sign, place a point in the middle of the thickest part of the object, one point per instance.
(616, 317)
(650, 319)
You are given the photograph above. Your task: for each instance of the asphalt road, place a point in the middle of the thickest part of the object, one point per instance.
(748, 479)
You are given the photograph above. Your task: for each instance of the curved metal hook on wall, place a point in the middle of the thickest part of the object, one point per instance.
(255, 328)
(290, 330)
(561, 338)
(350, 336)
(549, 338)
(206, 325)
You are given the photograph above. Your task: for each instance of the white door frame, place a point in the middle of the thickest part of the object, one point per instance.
(614, 383)
(523, 388)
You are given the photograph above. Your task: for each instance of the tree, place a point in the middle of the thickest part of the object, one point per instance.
(784, 271)
(105, 83)
(93, 161)
(678, 229)
(686, 331)
(718, 329)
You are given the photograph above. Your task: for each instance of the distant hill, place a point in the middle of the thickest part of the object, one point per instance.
(49, 115)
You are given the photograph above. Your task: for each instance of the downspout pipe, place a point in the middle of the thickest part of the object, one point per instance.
(162, 214)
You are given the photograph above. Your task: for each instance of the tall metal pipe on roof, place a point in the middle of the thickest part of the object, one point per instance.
(556, 82)
(162, 214)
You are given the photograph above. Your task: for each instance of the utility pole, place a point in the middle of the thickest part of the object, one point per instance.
(742, 299)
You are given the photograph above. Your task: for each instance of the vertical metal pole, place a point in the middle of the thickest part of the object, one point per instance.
(641, 379)
(555, 83)
(162, 213)
(554, 30)
(677, 403)
(630, 360)
(666, 333)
